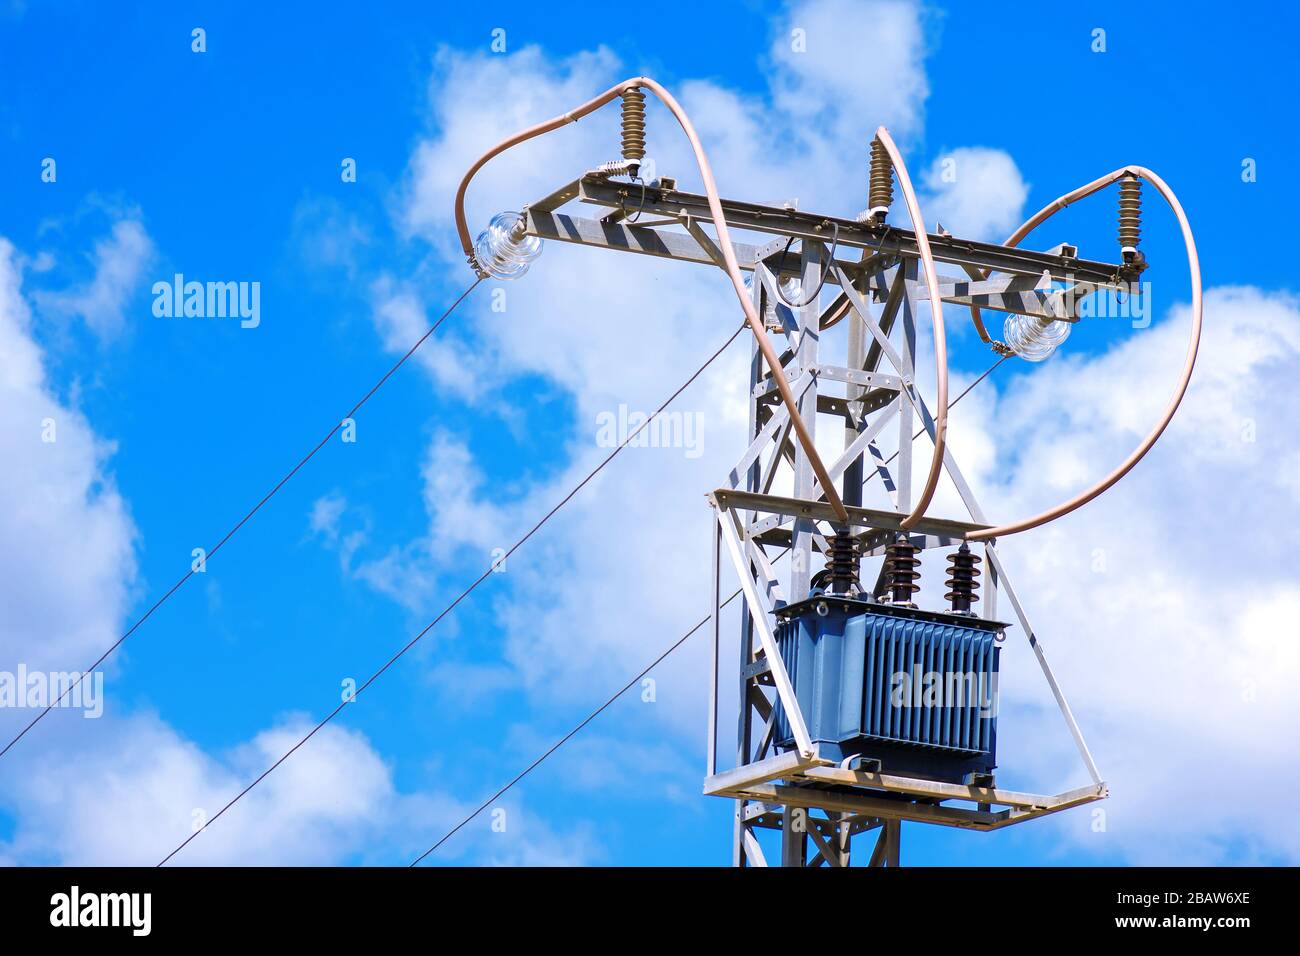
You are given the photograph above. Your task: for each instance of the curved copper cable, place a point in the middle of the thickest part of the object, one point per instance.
(940, 337)
(773, 360)
(1193, 344)
(724, 244)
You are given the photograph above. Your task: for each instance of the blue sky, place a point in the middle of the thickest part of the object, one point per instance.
(225, 165)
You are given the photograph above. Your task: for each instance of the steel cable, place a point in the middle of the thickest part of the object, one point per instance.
(463, 594)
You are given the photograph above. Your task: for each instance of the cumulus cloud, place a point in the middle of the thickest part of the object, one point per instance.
(401, 319)
(67, 563)
(134, 797)
(628, 332)
(838, 62)
(1167, 604)
(127, 792)
(758, 146)
(976, 192)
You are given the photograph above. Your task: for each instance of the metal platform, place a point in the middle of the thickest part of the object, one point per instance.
(792, 780)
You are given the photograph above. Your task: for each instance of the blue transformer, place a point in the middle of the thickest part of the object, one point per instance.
(915, 690)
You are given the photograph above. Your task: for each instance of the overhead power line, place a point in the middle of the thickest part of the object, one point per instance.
(463, 594)
(567, 737)
(257, 507)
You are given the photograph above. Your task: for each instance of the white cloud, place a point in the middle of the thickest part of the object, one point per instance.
(976, 192)
(137, 794)
(477, 100)
(627, 333)
(127, 792)
(1168, 605)
(851, 64)
(67, 562)
(401, 319)
(119, 260)
(325, 514)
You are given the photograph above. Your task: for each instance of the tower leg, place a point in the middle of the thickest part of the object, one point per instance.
(888, 844)
(794, 837)
(895, 830)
